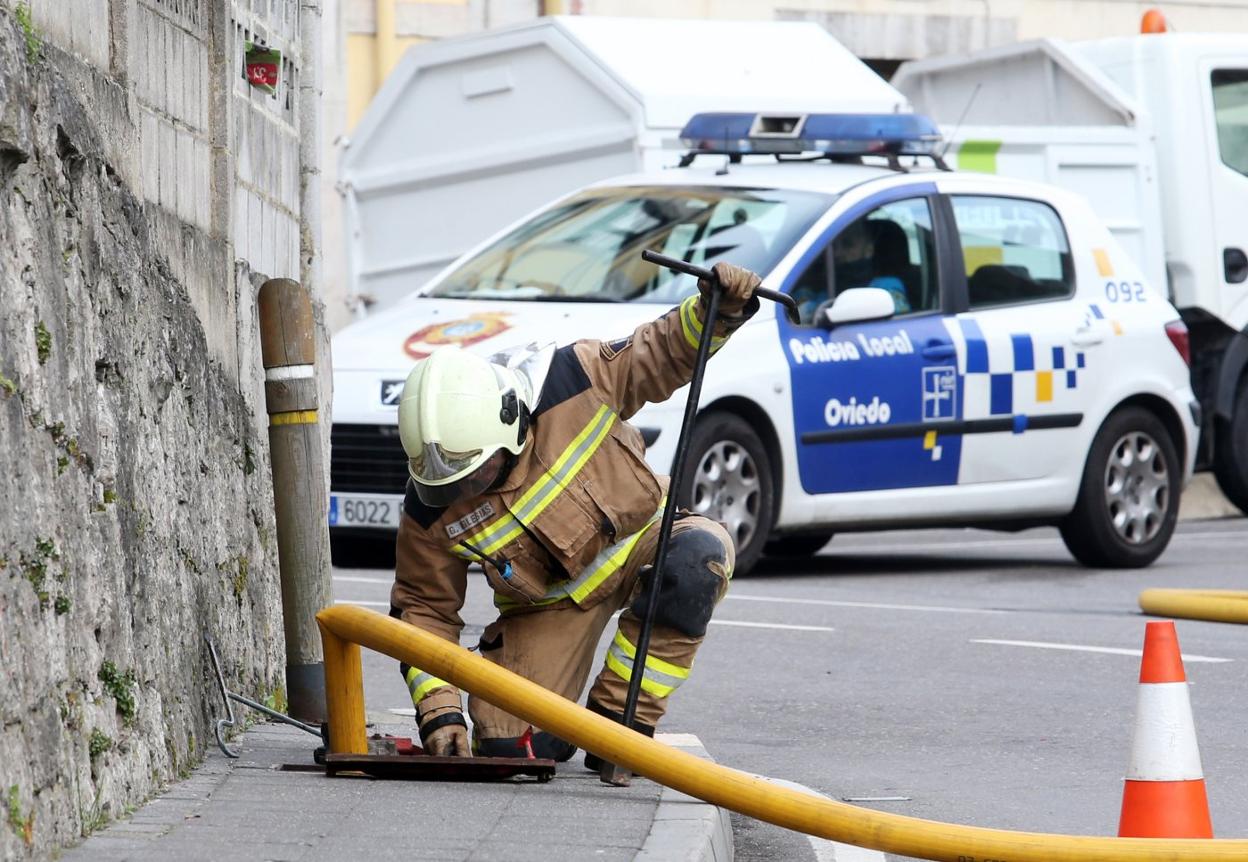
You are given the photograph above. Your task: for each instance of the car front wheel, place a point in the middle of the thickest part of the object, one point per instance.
(728, 479)
(1129, 497)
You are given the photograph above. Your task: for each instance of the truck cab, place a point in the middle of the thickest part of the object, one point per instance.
(1153, 131)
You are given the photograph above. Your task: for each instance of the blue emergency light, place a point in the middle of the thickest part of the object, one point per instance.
(737, 134)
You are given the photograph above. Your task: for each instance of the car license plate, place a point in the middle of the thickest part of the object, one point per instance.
(365, 510)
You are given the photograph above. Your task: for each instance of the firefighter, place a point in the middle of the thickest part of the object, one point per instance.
(526, 465)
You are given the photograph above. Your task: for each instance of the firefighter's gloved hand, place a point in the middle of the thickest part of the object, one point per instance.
(738, 288)
(450, 740)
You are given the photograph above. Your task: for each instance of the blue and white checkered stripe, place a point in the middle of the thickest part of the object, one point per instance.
(1010, 374)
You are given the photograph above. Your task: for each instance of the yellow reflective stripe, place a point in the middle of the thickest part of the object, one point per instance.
(420, 684)
(542, 485)
(659, 678)
(570, 450)
(607, 563)
(545, 489)
(506, 522)
(625, 673)
(652, 662)
(692, 325)
(586, 585)
(294, 417)
(688, 321)
(601, 567)
(568, 465)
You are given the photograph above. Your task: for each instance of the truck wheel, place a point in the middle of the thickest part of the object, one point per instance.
(797, 547)
(728, 479)
(1230, 457)
(1128, 501)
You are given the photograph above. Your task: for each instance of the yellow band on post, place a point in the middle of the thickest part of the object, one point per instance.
(294, 417)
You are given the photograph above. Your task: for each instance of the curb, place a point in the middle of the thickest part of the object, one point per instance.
(1202, 500)
(687, 829)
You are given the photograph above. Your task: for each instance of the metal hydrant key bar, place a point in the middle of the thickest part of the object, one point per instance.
(345, 628)
(678, 265)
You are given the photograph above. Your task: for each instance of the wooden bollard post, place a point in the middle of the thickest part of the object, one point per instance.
(287, 343)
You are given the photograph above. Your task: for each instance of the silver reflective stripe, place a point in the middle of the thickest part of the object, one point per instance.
(609, 560)
(510, 524)
(654, 681)
(569, 465)
(601, 567)
(420, 684)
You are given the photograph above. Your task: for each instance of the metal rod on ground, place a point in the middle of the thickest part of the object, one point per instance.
(611, 773)
(287, 342)
(229, 720)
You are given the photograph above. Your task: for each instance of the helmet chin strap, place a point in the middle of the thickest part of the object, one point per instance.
(509, 461)
(526, 422)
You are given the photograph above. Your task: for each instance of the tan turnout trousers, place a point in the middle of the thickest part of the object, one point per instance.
(556, 646)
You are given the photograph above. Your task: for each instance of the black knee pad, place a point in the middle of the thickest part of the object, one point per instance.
(690, 588)
(545, 745)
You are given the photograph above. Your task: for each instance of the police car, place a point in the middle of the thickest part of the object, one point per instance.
(972, 350)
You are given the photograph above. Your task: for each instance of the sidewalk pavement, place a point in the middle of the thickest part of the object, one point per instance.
(252, 809)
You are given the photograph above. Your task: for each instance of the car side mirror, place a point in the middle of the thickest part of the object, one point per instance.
(858, 304)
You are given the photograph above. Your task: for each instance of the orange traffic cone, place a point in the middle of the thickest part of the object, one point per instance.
(1164, 792)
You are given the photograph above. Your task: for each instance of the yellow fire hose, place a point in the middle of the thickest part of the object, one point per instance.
(345, 628)
(1219, 606)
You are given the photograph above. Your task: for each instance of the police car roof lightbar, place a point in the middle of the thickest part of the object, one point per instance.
(834, 136)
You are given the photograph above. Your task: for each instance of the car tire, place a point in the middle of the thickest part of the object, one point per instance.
(796, 547)
(1128, 499)
(361, 552)
(1230, 457)
(728, 479)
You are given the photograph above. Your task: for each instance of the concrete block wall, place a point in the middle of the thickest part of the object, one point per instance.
(265, 141)
(146, 191)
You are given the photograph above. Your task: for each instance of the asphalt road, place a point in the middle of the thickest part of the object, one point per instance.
(878, 669)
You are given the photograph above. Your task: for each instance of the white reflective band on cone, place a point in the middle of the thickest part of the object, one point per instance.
(1164, 746)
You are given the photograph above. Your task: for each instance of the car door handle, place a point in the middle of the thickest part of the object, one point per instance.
(1234, 265)
(1087, 336)
(939, 350)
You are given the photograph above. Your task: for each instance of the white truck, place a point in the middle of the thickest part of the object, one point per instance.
(1153, 131)
(469, 134)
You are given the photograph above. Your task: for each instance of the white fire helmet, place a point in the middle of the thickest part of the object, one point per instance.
(458, 409)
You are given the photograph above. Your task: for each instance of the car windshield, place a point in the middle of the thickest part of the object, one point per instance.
(588, 248)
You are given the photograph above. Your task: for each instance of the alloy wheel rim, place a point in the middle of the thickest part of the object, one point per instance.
(1137, 488)
(726, 488)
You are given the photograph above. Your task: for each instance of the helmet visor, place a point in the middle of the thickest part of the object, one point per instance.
(446, 493)
(435, 464)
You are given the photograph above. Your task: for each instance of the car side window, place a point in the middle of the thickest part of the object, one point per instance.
(1014, 250)
(891, 247)
(1230, 113)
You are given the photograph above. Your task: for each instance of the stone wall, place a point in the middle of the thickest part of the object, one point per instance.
(145, 192)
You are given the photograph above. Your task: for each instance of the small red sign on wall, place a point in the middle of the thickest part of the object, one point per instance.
(263, 65)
